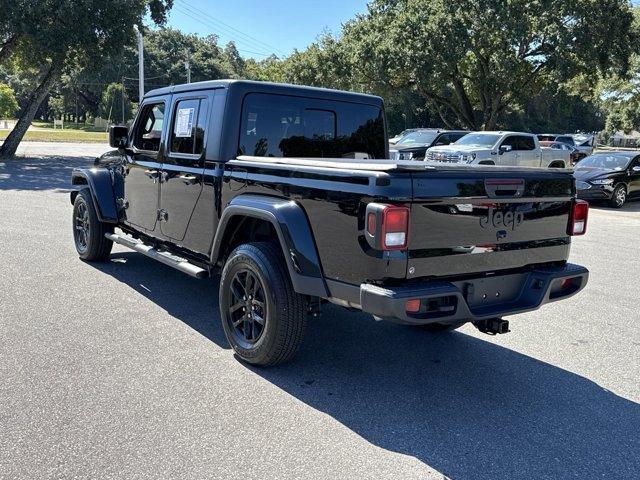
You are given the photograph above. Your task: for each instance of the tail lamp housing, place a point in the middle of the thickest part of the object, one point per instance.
(578, 218)
(387, 226)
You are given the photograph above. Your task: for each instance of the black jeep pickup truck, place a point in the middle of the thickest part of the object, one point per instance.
(289, 194)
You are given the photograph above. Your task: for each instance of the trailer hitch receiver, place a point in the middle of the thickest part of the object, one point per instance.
(493, 326)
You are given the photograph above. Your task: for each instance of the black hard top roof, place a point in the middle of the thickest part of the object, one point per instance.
(268, 87)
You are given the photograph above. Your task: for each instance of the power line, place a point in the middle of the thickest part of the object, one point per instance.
(214, 28)
(208, 24)
(228, 27)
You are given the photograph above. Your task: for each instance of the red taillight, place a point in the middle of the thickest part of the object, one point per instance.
(395, 228)
(579, 216)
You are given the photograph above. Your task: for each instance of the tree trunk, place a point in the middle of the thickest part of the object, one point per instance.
(8, 47)
(10, 145)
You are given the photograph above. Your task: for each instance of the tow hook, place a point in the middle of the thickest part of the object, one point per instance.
(493, 326)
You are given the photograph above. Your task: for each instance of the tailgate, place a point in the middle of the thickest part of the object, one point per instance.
(472, 220)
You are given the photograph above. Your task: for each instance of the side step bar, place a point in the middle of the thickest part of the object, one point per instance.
(174, 261)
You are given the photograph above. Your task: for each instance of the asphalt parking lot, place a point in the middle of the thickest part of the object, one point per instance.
(121, 370)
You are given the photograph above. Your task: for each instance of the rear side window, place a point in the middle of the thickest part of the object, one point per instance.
(189, 125)
(524, 143)
(149, 128)
(285, 126)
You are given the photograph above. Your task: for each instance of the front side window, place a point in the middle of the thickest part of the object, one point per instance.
(149, 128)
(510, 142)
(189, 124)
(285, 126)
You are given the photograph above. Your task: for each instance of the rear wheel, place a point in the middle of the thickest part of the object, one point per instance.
(263, 318)
(619, 197)
(89, 232)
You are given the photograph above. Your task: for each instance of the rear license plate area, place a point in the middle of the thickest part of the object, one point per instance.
(492, 290)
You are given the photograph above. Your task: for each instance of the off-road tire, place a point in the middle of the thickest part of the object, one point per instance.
(285, 318)
(619, 196)
(91, 245)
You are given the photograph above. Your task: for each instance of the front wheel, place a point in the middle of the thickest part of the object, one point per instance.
(89, 232)
(263, 318)
(619, 197)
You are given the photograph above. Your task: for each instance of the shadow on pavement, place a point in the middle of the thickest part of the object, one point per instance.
(632, 205)
(46, 173)
(467, 407)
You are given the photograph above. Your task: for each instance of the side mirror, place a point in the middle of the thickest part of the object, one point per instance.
(118, 136)
(505, 149)
(636, 169)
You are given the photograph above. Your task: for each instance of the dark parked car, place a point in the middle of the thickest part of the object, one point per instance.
(610, 176)
(288, 194)
(414, 145)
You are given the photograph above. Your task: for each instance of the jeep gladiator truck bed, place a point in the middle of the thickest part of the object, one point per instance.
(289, 194)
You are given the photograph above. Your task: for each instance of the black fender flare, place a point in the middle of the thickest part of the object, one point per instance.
(294, 234)
(100, 185)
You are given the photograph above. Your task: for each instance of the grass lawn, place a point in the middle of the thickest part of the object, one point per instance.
(66, 135)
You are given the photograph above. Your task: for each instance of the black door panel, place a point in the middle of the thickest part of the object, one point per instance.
(183, 167)
(142, 169)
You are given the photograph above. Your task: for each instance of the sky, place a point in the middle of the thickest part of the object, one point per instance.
(262, 27)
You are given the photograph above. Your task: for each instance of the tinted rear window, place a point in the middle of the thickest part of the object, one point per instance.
(285, 126)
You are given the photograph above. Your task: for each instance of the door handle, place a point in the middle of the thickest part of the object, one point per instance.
(188, 179)
(151, 173)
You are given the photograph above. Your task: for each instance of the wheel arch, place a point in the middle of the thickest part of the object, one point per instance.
(251, 217)
(557, 164)
(99, 183)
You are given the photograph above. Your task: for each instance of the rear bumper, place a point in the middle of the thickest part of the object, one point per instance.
(474, 299)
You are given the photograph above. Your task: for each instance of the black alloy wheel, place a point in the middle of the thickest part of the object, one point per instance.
(248, 307)
(82, 229)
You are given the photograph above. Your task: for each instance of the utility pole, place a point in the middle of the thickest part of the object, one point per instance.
(122, 97)
(187, 66)
(140, 63)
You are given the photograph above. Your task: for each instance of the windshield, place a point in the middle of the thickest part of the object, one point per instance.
(606, 161)
(478, 140)
(418, 138)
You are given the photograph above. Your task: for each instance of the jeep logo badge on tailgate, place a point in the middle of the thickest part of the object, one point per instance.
(497, 219)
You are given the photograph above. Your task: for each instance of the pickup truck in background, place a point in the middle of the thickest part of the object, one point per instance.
(513, 149)
(288, 194)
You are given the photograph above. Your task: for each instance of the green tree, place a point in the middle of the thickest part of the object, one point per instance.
(57, 107)
(8, 102)
(474, 60)
(115, 104)
(55, 37)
